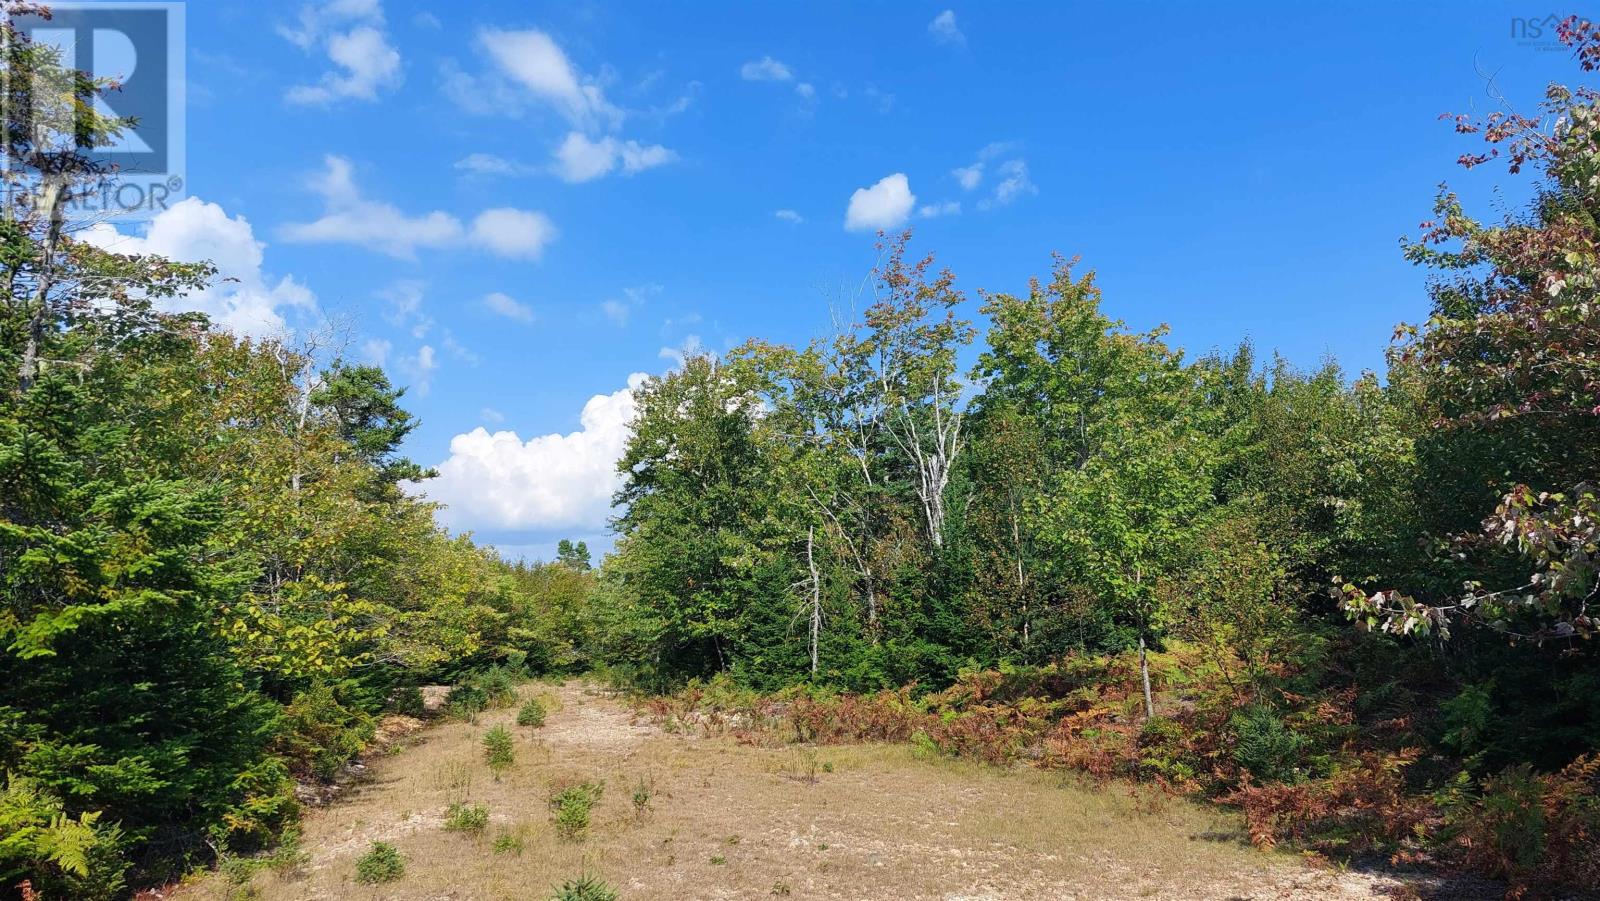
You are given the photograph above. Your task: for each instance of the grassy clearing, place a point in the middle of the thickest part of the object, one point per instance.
(687, 817)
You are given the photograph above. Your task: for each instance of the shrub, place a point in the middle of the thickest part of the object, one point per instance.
(321, 734)
(585, 888)
(643, 791)
(531, 714)
(499, 686)
(382, 863)
(407, 701)
(510, 843)
(466, 818)
(499, 750)
(466, 701)
(1266, 747)
(572, 806)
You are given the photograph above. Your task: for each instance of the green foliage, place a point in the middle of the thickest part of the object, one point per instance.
(321, 734)
(584, 888)
(499, 750)
(466, 701)
(510, 843)
(381, 863)
(1267, 748)
(643, 791)
(499, 686)
(572, 805)
(462, 817)
(532, 713)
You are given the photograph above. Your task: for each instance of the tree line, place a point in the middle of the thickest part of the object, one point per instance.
(1388, 574)
(211, 578)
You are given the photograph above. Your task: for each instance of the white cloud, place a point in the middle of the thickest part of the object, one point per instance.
(418, 369)
(619, 311)
(935, 210)
(580, 159)
(944, 30)
(489, 164)
(789, 216)
(616, 311)
(490, 414)
(691, 347)
(376, 351)
(1012, 174)
(403, 306)
(242, 298)
(804, 89)
(884, 205)
(765, 69)
(351, 33)
(530, 65)
(513, 233)
(509, 307)
(1014, 182)
(498, 481)
(349, 218)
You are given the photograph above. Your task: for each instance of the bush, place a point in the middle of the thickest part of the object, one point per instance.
(1266, 747)
(531, 714)
(407, 701)
(381, 863)
(466, 818)
(466, 701)
(585, 888)
(510, 843)
(499, 750)
(499, 686)
(322, 734)
(572, 806)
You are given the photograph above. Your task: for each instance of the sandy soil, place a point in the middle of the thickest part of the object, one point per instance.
(730, 821)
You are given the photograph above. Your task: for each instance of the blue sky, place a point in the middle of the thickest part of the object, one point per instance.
(516, 206)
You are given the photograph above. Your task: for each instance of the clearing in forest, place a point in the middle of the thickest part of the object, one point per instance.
(685, 817)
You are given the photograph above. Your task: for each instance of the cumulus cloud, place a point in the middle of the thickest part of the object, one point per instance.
(789, 216)
(580, 159)
(351, 34)
(935, 210)
(944, 30)
(496, 481)
(243, 298)
(769, 69)
(514, 233)
(528, 67)
(350, 218)
(505, 305)
(765, 69)
(884, 205)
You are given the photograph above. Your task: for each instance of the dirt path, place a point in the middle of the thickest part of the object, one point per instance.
(728, 821)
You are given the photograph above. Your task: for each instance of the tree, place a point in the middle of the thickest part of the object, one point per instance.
(1123, 520)
(1511, 360)
(573, 555)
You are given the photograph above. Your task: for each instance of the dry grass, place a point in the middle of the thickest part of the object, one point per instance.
(728, 821)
